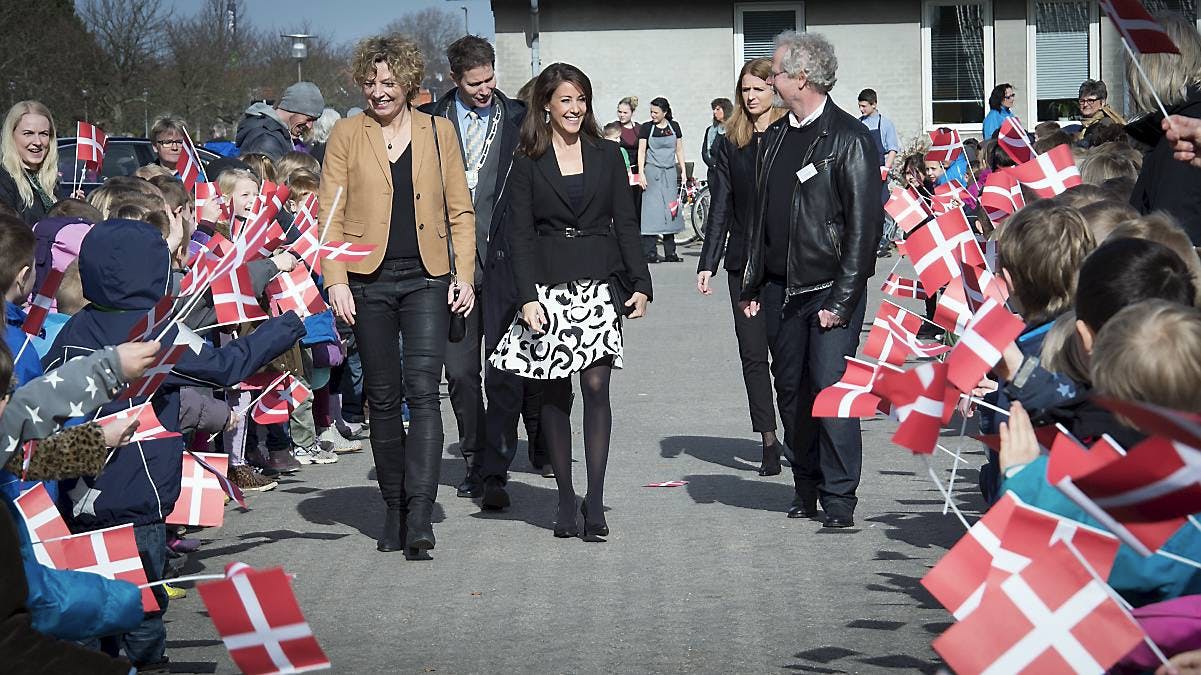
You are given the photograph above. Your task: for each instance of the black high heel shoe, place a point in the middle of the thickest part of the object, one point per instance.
(593, 529)
(771, 460)
(565, 527)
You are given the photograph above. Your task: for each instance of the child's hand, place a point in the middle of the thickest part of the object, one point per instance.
(136, 357)
(284, 262)
(1019, 445)
(115, 436)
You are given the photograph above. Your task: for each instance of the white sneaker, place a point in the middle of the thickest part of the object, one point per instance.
(314, 455)
(332, 440)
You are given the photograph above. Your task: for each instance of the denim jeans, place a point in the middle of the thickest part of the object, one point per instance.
(827, 453)
(146, 644)
(399, 300)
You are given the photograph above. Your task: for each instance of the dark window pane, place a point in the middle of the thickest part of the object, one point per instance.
(759, 31)
(957, 63)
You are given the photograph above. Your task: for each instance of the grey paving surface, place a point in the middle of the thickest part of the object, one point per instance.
(707, 578)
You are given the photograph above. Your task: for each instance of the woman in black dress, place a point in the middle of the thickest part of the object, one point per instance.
(579, 269)
(732, 194)
(629, 143)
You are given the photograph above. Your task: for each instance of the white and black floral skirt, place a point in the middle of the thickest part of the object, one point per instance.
(582, 328)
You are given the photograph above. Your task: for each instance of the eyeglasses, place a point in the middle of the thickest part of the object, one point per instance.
(173, 143)
(1084, 101)
(1011, 96)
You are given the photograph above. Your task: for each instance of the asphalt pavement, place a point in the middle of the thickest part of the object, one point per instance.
(706, 578)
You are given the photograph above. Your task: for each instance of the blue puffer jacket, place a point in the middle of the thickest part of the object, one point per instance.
(125, 269)
(75, 605)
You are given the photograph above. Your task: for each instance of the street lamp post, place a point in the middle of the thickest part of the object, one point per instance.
(300, 50)
(466, 29)
(145, 113)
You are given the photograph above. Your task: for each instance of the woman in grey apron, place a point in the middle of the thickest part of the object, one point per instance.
(660, 160)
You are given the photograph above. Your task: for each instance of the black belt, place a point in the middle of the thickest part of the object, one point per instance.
(572, 233)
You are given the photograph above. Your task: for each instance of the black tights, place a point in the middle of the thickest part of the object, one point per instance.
(598, 423)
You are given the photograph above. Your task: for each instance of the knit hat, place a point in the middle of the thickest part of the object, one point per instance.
(304, 98)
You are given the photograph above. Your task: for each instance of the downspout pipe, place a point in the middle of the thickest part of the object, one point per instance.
(535, 55)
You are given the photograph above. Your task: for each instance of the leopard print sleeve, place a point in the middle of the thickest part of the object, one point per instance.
(70, 453)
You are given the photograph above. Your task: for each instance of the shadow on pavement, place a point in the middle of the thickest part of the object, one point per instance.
(358, 507)
(533, 505)
(735, 453)
(249, 541)
(760, 495)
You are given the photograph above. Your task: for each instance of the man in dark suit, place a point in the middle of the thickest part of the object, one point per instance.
(811, 250)
(488, 124)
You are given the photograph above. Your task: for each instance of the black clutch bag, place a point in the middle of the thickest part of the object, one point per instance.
(620, 291)
(458, 324)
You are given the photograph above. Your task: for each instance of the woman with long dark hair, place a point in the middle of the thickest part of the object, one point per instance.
(1000, 106)
(732, 203)
(660, 166)
(579, 269)
(405, 192)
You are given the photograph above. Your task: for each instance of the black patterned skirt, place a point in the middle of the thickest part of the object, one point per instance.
(582, 328)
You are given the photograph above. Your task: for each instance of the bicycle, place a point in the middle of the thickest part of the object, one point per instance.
(697, 194)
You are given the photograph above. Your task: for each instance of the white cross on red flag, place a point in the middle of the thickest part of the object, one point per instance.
(922, 402)
(112, 553)
(936, 249)
(40, 308)
(206, 192)
(295, 291)
(90, 143)
(953, 311)
(1051, 617)
(893, 334)
(950, 195)
(1049, 174)
(233, 298)
(188, 165)
(149, 426)
(981, 284)
(945, 146)
(907, 209)
(1009, 536)
(201, 496)
(258, 618)
(1001, 195)
(899, 287)
(307, 244)
(979, 348)
(222, 476)
(1015, 141)
(345, 251)
(42, 518)
(277, 405)
(852, 395)
(158, 371)
(1178, 426)
(1141, 31)
(155, 319)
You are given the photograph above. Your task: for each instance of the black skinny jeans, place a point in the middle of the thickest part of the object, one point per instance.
(399, 301)
(752, 352)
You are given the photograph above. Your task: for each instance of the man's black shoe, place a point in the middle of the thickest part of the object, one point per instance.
(470, 487)
(839, 522)
(495, 497)
(803, 508)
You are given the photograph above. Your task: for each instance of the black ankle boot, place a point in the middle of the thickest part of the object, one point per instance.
(420, 529)
(771, 460)
(393, 535)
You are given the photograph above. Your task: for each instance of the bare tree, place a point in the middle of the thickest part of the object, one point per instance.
(130, 34)
(433, 30)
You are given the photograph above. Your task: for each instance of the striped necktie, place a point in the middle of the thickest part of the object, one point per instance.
(474, 140)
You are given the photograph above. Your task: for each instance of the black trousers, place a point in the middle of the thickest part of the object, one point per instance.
(464, 376)
(827, 453)
(399, 300)
(752, 352)
(510, 397)
(649, 242)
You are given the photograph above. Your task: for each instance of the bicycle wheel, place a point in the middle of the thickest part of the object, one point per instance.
(700, 213)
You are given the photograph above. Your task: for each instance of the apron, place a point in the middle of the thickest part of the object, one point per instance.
(662, 187)
(878, 138)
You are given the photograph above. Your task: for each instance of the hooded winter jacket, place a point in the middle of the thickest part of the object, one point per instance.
(125, 269)
(261, 130)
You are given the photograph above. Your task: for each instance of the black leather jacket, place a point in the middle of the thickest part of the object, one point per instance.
(731, 205)
(837, 216)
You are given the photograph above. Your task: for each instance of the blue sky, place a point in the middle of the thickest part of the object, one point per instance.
(350, 19)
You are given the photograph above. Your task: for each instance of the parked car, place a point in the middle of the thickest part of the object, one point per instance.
(122, 156)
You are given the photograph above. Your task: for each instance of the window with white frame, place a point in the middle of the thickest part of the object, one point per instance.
(957, 40)
(756, 25)
(1062, 55)
(1185, 8)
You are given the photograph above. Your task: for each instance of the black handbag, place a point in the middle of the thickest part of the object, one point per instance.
(458, 321)
(620, 291)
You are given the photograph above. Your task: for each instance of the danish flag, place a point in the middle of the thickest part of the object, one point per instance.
(953, 311)
(922, 401)
(1051, 617)
(156, 318)
(256, 614)
(900, 287)
(668, 483)
(90, 143)
(980, 284)
(1009, 536)
(990, 331)
(206, 192)
(1140, 30)
(907, 209)
(893, 336)
(1050, 173)
(234, 300)
(234, 492)
(112, 553)
(345, 251)
(41, 517)
(149, 426)
(1001, 195)
(188, 165)
(1015, 141)
(295, 291)
(950, 195)
(937, 249)
(1069, 458)
(852, 395)
(945, 146)
(158, 371)
(1179, 426)
(276, 406)
(201, 496)
(40, 308)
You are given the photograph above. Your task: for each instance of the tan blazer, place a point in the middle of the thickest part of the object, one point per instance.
(356, 159)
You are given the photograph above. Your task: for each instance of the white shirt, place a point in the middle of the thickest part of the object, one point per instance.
(812, 116)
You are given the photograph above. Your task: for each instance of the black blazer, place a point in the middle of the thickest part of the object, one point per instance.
(9, 195)
(731, 205)
(551, 242)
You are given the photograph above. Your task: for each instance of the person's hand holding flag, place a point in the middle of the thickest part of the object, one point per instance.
(1184, 134)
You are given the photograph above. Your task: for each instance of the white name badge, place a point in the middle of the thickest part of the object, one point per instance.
(809, 171)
